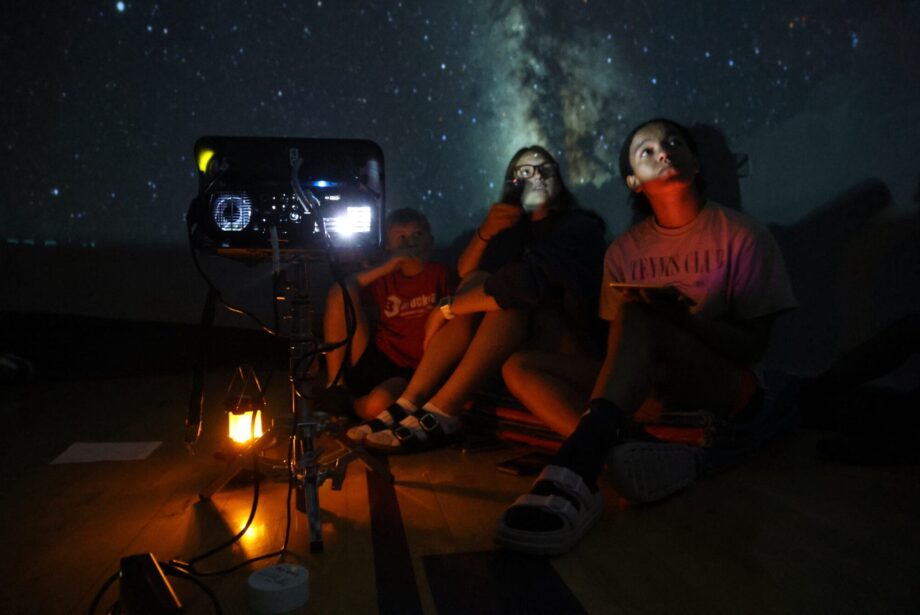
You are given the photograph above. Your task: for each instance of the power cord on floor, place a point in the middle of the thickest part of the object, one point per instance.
(167, 569)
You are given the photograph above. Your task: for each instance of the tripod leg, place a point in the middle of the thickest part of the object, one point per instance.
(313, 512)
(235, 464)
(357, 452)
(233, 468)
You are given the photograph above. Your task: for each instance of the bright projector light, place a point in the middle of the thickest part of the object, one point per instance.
(231, 211)
(354, 220)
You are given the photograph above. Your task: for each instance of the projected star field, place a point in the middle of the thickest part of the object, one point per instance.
(103, 101)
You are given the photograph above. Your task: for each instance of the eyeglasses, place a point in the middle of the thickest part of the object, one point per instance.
(527, 171)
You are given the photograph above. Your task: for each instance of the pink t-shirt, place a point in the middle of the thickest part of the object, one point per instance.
(728, 263)
(404, 303)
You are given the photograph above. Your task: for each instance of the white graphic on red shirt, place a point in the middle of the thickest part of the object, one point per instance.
(416, 306)
(392, 308)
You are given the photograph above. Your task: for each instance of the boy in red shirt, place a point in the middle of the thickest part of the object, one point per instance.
(403, 289)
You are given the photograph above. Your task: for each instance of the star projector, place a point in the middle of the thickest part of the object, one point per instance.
(257, 194)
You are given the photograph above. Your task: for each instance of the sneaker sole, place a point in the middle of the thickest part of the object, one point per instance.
(651, 471)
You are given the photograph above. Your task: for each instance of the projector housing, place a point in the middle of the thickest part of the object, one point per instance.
(246, 197)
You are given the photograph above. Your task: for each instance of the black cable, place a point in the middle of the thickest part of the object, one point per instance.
(98, 597)
(171, 570)
(196, 397)
(351, 317)
(207, 280)
(168, 570)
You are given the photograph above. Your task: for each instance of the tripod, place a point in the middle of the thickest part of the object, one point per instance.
(306, 465)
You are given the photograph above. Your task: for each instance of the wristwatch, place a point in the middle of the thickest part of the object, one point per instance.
(444, 306)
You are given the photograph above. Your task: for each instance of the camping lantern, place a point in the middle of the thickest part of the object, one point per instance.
(243, 426)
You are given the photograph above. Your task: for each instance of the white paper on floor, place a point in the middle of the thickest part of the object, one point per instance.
(83, 452)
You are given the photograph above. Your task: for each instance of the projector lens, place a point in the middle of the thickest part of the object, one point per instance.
(353, 220)
(231, 211)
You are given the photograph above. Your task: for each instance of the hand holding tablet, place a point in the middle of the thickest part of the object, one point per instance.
(656, 295)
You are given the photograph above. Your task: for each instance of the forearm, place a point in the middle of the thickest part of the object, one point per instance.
(364, 278)
(473, 298)
(472, 255)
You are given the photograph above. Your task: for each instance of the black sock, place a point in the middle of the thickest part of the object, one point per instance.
(585, 450)
(584, 453)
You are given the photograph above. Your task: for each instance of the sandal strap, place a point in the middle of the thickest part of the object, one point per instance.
(568, 481)
(431, 425)
(376, 425)
(404, 435)
(397, 412)
(552, 503)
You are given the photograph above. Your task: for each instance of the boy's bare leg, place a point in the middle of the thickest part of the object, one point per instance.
(334, 329)
(498, 336)
(380, 398)
(553, 387)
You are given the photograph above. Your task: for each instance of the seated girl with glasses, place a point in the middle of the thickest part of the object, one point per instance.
(531, 274)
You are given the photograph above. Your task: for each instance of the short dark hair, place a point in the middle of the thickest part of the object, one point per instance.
(638, 201)
(407, 215)
(511, 192)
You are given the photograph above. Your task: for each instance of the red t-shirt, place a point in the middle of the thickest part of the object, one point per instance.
(404, 303)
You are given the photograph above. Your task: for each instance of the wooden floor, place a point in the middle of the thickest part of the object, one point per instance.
(786, 533)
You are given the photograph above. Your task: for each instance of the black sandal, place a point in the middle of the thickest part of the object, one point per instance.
(409, 442)
(357, 435)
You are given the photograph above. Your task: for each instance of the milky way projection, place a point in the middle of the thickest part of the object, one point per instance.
(102, 102)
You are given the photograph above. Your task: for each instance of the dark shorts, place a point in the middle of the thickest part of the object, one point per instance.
(371, 369)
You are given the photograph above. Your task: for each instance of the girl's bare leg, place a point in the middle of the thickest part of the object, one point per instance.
(553, 387)
(499, 334)
(441, 356)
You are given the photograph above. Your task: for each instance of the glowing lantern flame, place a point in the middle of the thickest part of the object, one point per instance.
(242, 428)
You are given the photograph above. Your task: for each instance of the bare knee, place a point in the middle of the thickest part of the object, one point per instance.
(517, 367)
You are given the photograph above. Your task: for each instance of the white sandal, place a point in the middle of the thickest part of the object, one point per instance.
(576, 521)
